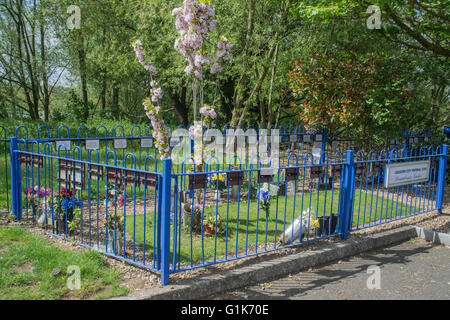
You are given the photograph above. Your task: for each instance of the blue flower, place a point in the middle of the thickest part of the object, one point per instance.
(70, 204)
(263, 195)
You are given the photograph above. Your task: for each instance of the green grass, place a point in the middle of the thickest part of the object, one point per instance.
(257, 223)
(27, 261)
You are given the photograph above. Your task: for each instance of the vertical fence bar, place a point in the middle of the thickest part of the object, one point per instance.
(165, 221)
(441, 178)
(347, 196)
(16, 200)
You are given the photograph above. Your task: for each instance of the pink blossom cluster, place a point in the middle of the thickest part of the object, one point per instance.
(194, 21)
(224, 46)
(37, 192)
(160, 133)
(155, 91)
(137, 45)
(208, 113)
(208, 116)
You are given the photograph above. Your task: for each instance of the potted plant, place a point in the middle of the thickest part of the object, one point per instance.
(210, 222)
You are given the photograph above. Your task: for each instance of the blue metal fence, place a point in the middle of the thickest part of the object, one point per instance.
(116, 197)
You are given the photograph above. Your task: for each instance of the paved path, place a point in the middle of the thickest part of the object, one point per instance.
(412, 270)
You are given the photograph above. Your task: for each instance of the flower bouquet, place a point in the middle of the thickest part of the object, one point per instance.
(33, 197)
(64, 205)
(217, 183)
(264, 194)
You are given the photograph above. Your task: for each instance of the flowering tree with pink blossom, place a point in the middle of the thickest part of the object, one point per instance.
(194, 22)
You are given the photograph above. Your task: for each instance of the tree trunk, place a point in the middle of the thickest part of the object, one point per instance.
(115, 100)
(272, 80)
(44, 76)
(82, 66)
(180, 105)
(242, 84)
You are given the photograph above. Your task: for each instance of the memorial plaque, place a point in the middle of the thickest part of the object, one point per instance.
(265, 175)
(96, 172)
(113, 174)
(147, 143)
(63, 145)
(404, 173)
(291, 174)
(25, 159)
(307, 138)
(319, 138)
(148, 180)
(235, 178)
(316, 172)
(38, 161)
(131, 178)
(293, 138)
(198, 181)
(92, 144)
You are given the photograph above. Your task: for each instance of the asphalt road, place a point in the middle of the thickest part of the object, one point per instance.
(411, 270)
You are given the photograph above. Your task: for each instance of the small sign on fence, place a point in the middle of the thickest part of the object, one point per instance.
(307, 138)
(63, 145)
(147, 143)
(400, 174)
(92, 144)
(120, 143)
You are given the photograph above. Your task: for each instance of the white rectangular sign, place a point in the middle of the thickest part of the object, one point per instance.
(147, 143)
(400, 174)
(120, 143)
(65, 145)
(92, 144)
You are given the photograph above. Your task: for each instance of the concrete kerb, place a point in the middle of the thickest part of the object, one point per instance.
(209, 285)
(433, 236)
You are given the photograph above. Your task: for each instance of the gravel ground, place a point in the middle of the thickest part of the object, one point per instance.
(139, 279)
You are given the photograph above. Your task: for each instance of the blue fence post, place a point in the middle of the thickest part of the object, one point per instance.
(16, 199)
(165, 221)
(347, 196)
(441, 178)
